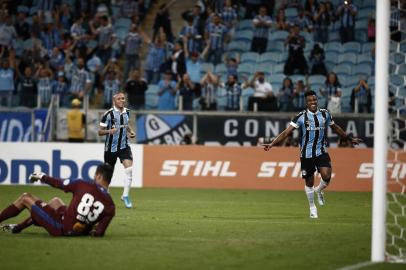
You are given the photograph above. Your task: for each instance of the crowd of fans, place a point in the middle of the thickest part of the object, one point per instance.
(93, 48)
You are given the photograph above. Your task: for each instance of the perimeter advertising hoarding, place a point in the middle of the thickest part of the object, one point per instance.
(62, 160)
(253, 168)
(245, 130)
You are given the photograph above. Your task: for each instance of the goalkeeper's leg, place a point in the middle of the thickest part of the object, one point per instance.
(26, 200)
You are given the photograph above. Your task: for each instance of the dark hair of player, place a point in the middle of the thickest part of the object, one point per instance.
(310, 93)
(105, 170)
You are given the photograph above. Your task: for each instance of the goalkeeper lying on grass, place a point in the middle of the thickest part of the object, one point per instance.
(89, 212)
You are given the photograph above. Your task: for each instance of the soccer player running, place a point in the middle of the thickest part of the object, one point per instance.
(114, 124)
(312, 124)
(89, 212)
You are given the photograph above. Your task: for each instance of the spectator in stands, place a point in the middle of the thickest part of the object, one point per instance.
(135, 89)
(106, 37)
(233, 93)
(7, 87)
(262, 22)
(281, 23)
(232, 63)
(299, 101)
(215, 35)
(45, 83)
(317, 61)
(186, 89)
(167, 92)
(78, 32)
(322, 21)
(133, 42)
(196, 14)
(190, 35)
(251, 8)
(80, 80)
(177, 60)
(8, 34)
(229, 17)
(305, 23)
(50, 37)
(163, 21)
(296, 60)
(21, 26)
(76, 121)
(130, 7)
(193, 66)
(284, 4)
(371, 29)
(27, 87)
(111, 83)
(285, 96)
(263, 98)
(311, 7)
(346, 13)
(56, 59)
(209, 84)
(156, 58)
(60, 88)
(331, 11)
(361, 98)
(332, 93)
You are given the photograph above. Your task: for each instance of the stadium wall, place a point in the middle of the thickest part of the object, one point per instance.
(192, 166)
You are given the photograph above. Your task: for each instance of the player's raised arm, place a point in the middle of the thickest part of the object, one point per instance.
(280, 138)
(65, 185)
(337, 129)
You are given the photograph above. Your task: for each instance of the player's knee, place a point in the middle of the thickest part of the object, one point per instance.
(128, 171)
(55, 200)
(25, 195)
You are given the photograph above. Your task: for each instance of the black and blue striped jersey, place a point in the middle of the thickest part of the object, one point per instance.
(113, 118)
(313, 131)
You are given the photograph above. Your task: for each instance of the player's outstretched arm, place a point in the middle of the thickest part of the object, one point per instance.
(281, 137)
(103, 131)
(65, 185)
(337, 129)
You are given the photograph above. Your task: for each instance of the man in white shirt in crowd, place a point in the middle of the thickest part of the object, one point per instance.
(263, 98)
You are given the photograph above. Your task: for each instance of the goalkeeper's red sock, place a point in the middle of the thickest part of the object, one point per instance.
(9, 212)
(21, 226)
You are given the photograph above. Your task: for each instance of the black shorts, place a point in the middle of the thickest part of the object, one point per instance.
(309, 165)
(122, 154)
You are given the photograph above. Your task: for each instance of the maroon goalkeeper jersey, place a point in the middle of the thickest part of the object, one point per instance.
(90, 210)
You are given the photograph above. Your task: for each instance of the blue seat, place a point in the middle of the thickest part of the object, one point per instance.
(151, 102)
(361, 24)
(296, 78)
(275, 46)
(393, 46)
(345, 104)
(237, 46)
(121, 33)
(364, 59)
(362, 70)
(245, 70)
(245, 24)
(368, 4)
(333, 46)
(346, 91)
(331, 56)
(265, 67)
(152, 89)
(396, 80)
(278, 35)
(402, 70)
(278, 68)
(249, 57)
(248, 92)
(291, 12)
(276, 78)
(342, 69)
(353, 47)
(270, 57)
(367, 47)
(361, 36)
(244, 35)
(397, 58)
(220, 69)
(365, 13)
(352, 81)
(334, 36)
(347, 58)
(308, 37)
(317, 79)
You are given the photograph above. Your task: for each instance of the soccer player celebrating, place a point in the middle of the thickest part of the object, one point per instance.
(89, 212)
(114, 124)
(312, 124)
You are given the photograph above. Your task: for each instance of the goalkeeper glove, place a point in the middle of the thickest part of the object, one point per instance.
(34, 177)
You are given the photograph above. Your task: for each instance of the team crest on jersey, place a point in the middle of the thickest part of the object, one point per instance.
(66, 182)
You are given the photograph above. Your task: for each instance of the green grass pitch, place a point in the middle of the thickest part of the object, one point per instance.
(203, 229)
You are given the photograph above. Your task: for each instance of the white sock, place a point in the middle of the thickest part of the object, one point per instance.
(127, 181)
(310, 195)
(322, 185)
